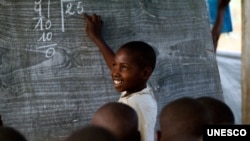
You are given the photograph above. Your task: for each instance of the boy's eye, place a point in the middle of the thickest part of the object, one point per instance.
(113, 64)
(124, 67)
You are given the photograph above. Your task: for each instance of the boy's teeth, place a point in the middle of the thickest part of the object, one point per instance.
(117, 82)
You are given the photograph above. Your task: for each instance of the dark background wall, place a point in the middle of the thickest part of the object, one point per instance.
(52, 77)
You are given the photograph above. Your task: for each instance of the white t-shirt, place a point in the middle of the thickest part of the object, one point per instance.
(145, 105)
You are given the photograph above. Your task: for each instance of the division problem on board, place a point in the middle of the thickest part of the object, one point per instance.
(44, 23)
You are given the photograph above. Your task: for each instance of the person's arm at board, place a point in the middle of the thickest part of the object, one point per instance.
(94, 25)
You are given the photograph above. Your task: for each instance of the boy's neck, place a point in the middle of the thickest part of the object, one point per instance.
(130, 93)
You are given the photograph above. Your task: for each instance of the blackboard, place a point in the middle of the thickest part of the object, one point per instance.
(52, 77)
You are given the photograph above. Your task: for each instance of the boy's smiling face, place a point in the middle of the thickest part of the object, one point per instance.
(126, 73)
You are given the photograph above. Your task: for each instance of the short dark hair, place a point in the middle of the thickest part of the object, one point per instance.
(145, 53)
(93, 133)
(121, 117)
(183, 116)
(11, 134)
(219, 111)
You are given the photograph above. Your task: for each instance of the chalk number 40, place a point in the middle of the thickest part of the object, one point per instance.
(73, 9)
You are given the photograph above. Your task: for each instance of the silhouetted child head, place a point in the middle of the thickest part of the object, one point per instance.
(91, 133)
(182, 117)
(118, 118)
(219, 111)
(133, 65)
(10, 134)
(186, 138)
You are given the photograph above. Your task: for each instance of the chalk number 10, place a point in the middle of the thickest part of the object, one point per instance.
(73, 9)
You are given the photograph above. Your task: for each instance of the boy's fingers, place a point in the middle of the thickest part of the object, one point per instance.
(86, 17)
(94, 16)
(99, 18)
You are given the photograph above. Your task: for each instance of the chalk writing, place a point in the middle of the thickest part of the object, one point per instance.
(44, 24)
(50, 51)
(72, 8)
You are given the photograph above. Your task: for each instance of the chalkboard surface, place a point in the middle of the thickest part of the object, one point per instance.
(52, 77)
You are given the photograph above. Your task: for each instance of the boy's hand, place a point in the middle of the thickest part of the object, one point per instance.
(94, 25)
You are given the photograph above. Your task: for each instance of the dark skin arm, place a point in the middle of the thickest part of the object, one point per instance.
(216, 31)
(94, 26)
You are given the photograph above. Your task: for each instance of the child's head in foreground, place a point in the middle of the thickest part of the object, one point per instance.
(219, 111)
(184, 116)
(133, 65)
(10, 134)
(91, 133)
(118, 118)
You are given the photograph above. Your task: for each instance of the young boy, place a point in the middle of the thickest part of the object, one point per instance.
(182, 118)
(118, 118)
(131, 66)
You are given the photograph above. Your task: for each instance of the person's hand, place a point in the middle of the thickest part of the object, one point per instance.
(94, 25)
(223, 3)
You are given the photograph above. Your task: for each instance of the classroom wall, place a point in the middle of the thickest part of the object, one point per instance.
(52, 77)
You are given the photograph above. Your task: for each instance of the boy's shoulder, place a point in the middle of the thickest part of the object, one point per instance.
(144, 98)
(144, 93)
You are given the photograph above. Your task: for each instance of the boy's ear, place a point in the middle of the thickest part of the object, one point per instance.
(147, 73)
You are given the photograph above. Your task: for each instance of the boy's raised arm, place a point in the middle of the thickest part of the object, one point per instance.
(94, 26)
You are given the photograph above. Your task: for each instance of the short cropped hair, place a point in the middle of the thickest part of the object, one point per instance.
(146, 56)
(184, 116)
(119, 118)
(11, 134)
(219, 111)
(91, 133)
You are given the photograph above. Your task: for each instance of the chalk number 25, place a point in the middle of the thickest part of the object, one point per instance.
(72, 9)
